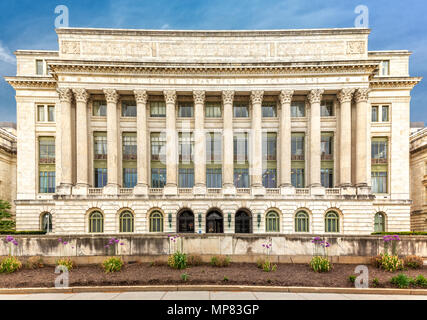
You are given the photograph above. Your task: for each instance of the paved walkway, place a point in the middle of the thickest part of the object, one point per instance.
(206, 295)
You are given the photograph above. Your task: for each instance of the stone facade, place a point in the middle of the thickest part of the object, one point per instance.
(418, 170)
(228, 67)
(8, 164)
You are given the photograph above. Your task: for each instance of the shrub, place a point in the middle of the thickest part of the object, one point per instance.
(195, 260)
(375, 282)
(413, 262)
(66, 262)
(266, 265)
(402, 233)
(391, 263)
(10, 264)
(178, 260)
(320, 264)
(376, 261)
(184, 277)
(352, 278)
(220, 261)
(34, 262)
(401, 280)
(421, 281)
(225, 279)
(113, 264)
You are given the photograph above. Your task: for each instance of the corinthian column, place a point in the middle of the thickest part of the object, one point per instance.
(112, 98)
(345, 98)
(315, 97)
(141, 97)
(200, 143)
(227, 154)
(65, 97)
(171, 144)
(362, 153)
(82, 97)
(256, 100)
(285, 138)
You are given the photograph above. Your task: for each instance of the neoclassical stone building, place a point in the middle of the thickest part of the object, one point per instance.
(282, 131)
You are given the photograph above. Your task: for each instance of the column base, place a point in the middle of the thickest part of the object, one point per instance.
(111, 189)
(81, 189)
(258, 190)
(228, 190)
(317, 190)
(170, 190)
(287, 189)
(348, 190)
(64, 189)
(199, 190)
(140, 190)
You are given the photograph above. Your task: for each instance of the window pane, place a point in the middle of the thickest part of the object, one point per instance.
(240, 144)
(214, 177)
(269, 110)
(213, 148)
(185, 110)
(51, 113)
(158, 177)
(129, 177)
(128, 109)
(385, 113)
(241, 110)
(158, 109)
(40, 113)
(158, 145)
(129, 147)
(269, 178)
(241, 178)
(297, 177)
(100, 177)
(213, 110)
(47, 182)
(39, 67)
(100, 108)
(298, 109)
(374, 114)
(326, 108)
(186, 178)
(100, 145)
(326, 176)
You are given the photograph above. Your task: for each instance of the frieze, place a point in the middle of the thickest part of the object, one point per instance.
(122, 48)
(356, 47)
(70, 47)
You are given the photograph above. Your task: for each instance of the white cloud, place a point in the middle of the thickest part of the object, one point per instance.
(6, 56)
(165, 26)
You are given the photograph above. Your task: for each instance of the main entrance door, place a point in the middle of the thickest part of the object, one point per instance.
(186, 222)
(243, 222)
(214, 222)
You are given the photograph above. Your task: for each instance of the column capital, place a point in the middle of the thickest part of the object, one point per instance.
(285, 96)
(111, 95)
(141, 96)
(345, 95)
(362, 95)
(81, 95)
(256, 96)
(228, 96)
(315, 96)
(65, 94)
(199, 96)
(170, 96)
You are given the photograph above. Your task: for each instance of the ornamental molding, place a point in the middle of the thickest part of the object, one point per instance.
(315, 96)
(170, 96)
(228, 97)
(285, 96)
(199, 97)
(31, 83)
(361, 95)
(65, 94)
(111, 96)
(395, 83)
(345, 95)
(257, 96)
(141, 96)
(81, 95)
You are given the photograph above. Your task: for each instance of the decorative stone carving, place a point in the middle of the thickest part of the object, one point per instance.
(345, 95)
(141, 96)
(362, 95)
(256, 96)
(70, 47)
(81, 95)
(228, 97)
(286, 96)
(111, 95)
(315, 96)
(65, 94)
(355, 47)
(199, 97)
(170, 96)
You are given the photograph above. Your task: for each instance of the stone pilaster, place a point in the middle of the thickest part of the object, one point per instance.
(81, 97)
(141, 98)
(315, 97)
(256, 163)
(200, 143)
(65, 98)
(112, 98)
(285, 98)
(227, 151)
(345, 98)
(171, 187)
(362, 133)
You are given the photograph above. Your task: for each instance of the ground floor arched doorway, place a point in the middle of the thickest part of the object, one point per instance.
(243, 221)
(214, 222)
(186, 221)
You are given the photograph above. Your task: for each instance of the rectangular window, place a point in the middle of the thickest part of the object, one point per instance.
(39, 67)
(326, 176)
(379, 181)
(240, 110)
(326, 146)
(385, 113)
(51, 113)
(99, 108)
(379, 150)
(213, 148)
(186, 178)
(186, 147)
(385, 68)
(241, 177)
(297, 146)
(269, 178)
(158, 109)
(129, 177)
(270, 146)
(297, 109)
(100, 177)
(213, 110)
(40, 114)
(47, 165)
(240, 146)
(185, 110)
(128, 109)
(158, 146)
(129, 146)
(214, 177)
(158, 177)
(47, 181)
(297, 177)
(327, 108)
(374, 114)
(100, 145)
(269, 110)
(46, 150)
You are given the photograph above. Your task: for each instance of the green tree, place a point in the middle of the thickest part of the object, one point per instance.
(6, 221)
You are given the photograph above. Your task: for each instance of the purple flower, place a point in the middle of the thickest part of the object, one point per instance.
(263, 245)
(65, 242)
(107, 246)
(15, 243)
(122, 244)
(59, 240)
(117, 240)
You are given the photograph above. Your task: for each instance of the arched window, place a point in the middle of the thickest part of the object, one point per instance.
(243, 222)
(96, 222)
(186, 222)
(46, 222)
(379, 222)
(272, 222)
(156, 222)
(214, 222)
(301, 222)
(126, 221)
(332, 222)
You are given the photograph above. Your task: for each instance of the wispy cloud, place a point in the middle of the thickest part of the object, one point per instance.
(6, 56)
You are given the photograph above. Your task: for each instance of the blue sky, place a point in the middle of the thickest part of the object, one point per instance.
(29, 24)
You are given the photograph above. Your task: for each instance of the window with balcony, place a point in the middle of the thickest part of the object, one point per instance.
(241, 163)
(240, 110)
(100, 159)
(298, 160)
(297, 146)
(158, 164)
(269, 151)
(99, 108)
(185, 109)
(128, 109)
(213, 110)
(327, 159)
(327, 108)
(214, 177)
(47, 170)
(158, 177)
(157, 109)
(186, 158)
(129, 164)
(269, 110)
(241, 177)
(214, 160)
(379, 166)
(297, 109)
(45, 113)
(327, 177)
(186, 178)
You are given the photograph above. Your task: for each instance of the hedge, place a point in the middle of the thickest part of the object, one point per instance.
(9, 232)
(402, 233)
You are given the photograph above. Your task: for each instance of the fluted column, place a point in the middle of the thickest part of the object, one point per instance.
(256, 163)
(285, 138)
(362, 155)
(227, 152)
(82, 97)
(65, 98)
(141, 97)
(345, 98)
(112, 98)
(315, 97)
(200, 143)
(171, 144)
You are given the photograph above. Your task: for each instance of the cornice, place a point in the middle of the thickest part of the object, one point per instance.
(394, 82)
(31, 82)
